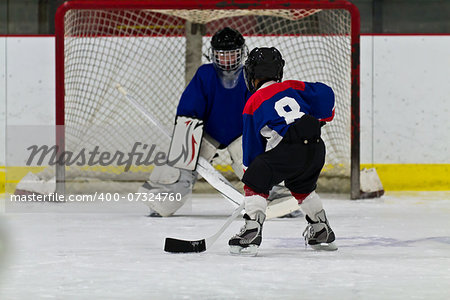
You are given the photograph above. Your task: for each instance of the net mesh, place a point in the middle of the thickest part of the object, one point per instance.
(153, 54)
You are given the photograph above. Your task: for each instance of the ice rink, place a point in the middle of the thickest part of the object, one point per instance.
(394, 247)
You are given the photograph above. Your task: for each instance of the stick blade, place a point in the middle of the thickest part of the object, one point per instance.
(182, 246)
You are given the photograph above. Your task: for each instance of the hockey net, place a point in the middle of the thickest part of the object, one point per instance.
(153, 48)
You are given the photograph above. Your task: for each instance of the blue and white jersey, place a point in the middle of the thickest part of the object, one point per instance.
(274, 107)
(221, 109)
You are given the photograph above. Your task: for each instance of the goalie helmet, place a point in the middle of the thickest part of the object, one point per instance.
(227, 54)
(264, 64)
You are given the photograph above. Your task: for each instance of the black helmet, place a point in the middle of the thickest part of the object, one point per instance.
(227, 49)
(227, 39)
(264, 64)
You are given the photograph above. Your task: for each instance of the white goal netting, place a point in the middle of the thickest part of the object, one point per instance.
(153, 53)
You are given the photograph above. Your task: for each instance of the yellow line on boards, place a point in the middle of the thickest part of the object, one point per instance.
(413, 177)
(2, 180)
(394, 177)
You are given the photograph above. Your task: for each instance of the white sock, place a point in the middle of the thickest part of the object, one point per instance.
(312, 205)
(253, 204)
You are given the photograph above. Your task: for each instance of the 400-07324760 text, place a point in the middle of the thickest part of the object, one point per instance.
(97, 196)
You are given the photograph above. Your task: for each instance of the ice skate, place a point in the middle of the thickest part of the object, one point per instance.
(247, 241)
(319, 234)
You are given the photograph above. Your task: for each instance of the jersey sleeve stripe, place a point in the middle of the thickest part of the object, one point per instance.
(329, 118)
(266, 93)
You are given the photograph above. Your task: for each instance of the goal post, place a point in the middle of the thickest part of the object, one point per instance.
(153, 48)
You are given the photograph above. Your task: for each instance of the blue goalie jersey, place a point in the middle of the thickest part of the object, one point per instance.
(221, 109)
(275, 106)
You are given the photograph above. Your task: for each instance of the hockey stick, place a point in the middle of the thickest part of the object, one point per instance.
(184, 246)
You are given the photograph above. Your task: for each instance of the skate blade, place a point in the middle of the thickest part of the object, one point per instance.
(251, 250)
(325, 246)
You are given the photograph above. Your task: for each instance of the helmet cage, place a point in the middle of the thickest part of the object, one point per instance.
(227, 60)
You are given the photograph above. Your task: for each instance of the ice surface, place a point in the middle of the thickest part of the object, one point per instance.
(396, 247)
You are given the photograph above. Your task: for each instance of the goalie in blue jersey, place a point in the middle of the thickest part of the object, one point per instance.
(212, 106)
(281, 142)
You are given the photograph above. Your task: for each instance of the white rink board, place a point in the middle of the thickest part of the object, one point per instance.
(3, 98)
(30, 91)
(404, 88)
(396, 247)
(405, 83)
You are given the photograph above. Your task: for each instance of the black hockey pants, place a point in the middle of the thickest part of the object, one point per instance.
(297, 160)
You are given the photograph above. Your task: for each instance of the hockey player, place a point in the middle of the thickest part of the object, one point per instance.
(281, 142)
(214, 99)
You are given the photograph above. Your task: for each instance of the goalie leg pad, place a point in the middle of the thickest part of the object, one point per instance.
(280, 195)
(164, 205)
(164, 175)
(279, 191)
(185, 145)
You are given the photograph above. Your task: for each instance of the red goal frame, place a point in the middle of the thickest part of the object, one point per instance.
(216, 4)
